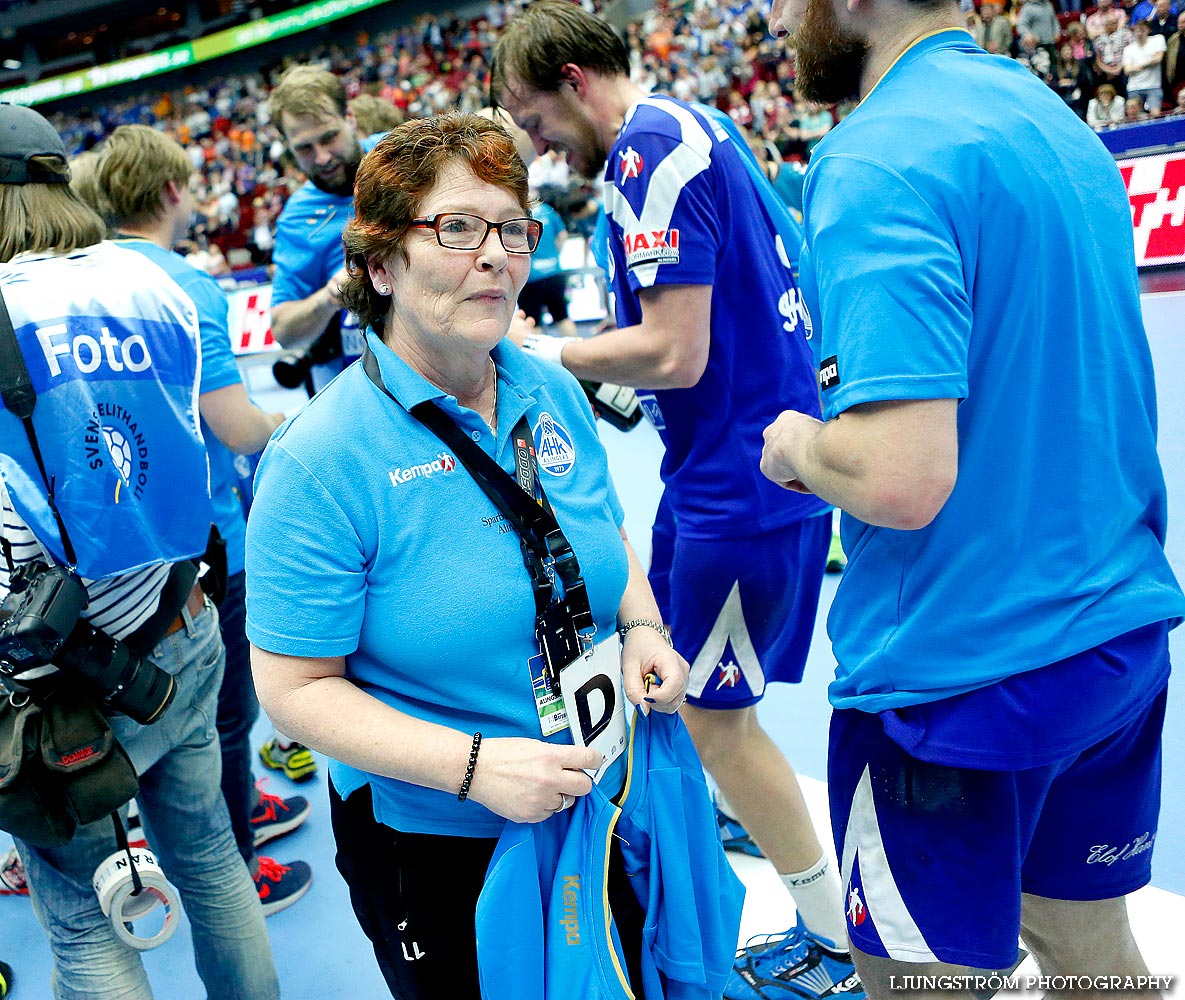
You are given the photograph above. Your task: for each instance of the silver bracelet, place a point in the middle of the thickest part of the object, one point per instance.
(658, 627)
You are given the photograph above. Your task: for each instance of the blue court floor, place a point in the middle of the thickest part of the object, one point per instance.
(319, 950)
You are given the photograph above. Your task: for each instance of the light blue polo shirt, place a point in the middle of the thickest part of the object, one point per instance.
(987, 259)
(219, 370)
(368, 540)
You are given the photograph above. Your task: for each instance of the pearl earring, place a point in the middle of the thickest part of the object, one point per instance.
(384, 289)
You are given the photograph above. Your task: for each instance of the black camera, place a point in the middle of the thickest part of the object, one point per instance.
(43, 605)
(40, 624)
(326, 348)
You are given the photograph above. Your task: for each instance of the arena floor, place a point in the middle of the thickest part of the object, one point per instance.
(320, 952)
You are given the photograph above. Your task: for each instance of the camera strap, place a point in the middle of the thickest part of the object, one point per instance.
(20, 398)
(547, 553)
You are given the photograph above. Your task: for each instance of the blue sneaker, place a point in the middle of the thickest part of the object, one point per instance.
(734, 836)
(793, 965)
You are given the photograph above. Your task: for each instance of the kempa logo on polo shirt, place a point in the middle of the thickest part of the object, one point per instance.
(444, 462)
(570, 921)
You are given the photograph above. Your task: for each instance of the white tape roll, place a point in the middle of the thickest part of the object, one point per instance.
(114, 886)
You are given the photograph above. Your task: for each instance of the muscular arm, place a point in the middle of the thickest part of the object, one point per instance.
(301, 320)
(311, 699)
(890, 463)
(667, 350)
(237, 422)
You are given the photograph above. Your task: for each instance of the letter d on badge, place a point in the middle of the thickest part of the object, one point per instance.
(596, 704)
(596, 689)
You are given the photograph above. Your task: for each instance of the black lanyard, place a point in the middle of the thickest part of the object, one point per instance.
(559, 617)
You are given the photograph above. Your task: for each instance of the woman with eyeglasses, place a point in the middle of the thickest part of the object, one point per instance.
(390, 606)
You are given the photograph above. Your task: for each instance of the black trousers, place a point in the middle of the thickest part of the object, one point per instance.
(415, 896)
(551, 292)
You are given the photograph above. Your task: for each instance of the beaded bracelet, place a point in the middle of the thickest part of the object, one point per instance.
(463, 794)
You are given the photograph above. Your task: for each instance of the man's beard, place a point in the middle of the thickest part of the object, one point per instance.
(830, 62)
(346, 184)
(590, 154)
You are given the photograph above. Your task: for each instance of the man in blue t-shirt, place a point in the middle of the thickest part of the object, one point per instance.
(144, 175)
(994, 765)
(309, 107)
(710, 326)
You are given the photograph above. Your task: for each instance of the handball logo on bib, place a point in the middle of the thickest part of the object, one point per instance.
(554, 450)
(113, 435)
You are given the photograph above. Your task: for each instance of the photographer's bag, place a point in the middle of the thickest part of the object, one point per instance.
(60, 767)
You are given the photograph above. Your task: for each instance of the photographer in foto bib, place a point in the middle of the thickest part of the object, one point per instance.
(90, 476)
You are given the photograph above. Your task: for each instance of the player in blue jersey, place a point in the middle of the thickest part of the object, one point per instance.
(710, 327)
(111, 344)
(988, 391)
(144, 178)
(309, 107)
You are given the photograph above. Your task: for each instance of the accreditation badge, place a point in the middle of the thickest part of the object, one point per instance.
(549, 704)
(594, 694)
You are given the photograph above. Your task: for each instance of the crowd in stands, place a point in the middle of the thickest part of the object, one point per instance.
(1113, 64)
(1118, 62)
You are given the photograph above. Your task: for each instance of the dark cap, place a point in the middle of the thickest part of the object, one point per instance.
(24, 133)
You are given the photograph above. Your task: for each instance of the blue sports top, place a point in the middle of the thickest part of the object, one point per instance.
(219, 370)
(308, 250)
(111, 344)
(988, 259)
(368, 540)
(544, 927)
(684, 209)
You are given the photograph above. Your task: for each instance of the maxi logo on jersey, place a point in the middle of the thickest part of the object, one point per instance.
(553, 446)
(660, 246)
(444, 462)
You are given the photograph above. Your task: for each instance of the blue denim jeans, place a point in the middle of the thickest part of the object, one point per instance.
(187, 825)
(238, 708)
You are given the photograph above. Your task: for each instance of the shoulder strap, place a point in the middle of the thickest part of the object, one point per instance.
(535, 523)
(537, 527)
(16, 389)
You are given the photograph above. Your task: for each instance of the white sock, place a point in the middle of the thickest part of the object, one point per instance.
(282, 741)
(817, 898)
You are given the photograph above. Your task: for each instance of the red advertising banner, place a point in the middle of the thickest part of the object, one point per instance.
(1156, 189)
(250, 321)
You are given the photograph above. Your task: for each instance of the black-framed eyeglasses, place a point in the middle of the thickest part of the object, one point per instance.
(458, 231)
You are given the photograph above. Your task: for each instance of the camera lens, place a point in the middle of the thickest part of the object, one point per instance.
(128, 683)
